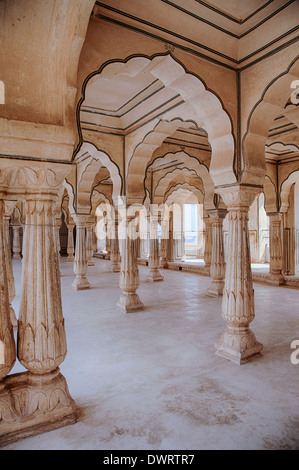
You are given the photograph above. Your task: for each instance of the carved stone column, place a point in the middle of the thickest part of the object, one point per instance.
(9, 207)
(154, 259)
(7, 342)
(238, 343)
(41, 335)
(276, 248)
(37, 400)
(108, 246)
(129, 272)
(70, 242)
(208, 245)
(81, 261)
(89, 243)
(16, 245)
(114, 245)
(217, 267)
(164, 243)
(170, 245)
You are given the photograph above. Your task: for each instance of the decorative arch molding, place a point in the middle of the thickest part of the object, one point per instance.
(177, 174)
(285, 189)
(98, 198)
(177, 188)
(89, 160)
(207, 107)
(71, 194)
(270, 105)
(270, 192)
(192, 163)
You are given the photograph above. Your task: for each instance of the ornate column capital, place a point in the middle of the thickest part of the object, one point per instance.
(35, 179)
(238, 196)
(80, 219)
(217, 214)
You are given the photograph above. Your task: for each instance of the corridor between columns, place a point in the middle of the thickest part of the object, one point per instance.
(193, 398)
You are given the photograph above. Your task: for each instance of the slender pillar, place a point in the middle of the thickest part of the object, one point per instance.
(114, 245)
(9, 207)
(89, 243)
(80, 262)
(129, 272)
(170, 245)
(208, 245)
(164, 243)
(70, 242)
(238, 342)
(16, 245)
(276, 248)
(217, 267)
(154, 259)
(108, 246)
(7, 342)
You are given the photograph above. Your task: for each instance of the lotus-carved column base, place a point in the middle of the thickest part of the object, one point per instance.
(31, 404)
(154, 275)
(163, 263)
(129, 302)
(216, 288)
(238, 345)
(276, 279)
(81, 282)
(115, 262)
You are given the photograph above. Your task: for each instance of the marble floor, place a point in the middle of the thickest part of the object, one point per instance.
(151, 380)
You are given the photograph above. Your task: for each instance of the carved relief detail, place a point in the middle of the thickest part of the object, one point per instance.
(28, 401)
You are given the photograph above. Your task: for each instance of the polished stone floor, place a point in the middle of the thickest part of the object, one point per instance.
(151, 380)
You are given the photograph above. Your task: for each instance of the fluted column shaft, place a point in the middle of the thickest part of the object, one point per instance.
(81, 261)
(89, 243)
(16, 246)
(129, 272)
(154, 258)
(238, 342)
(7, 342)
(108, 246)
(70, 242)
(164, 242)
(217, 267)
(41, 333)
(170, 245)
(9, 207)
(208, 244)
(276, 248)
(114, 245)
